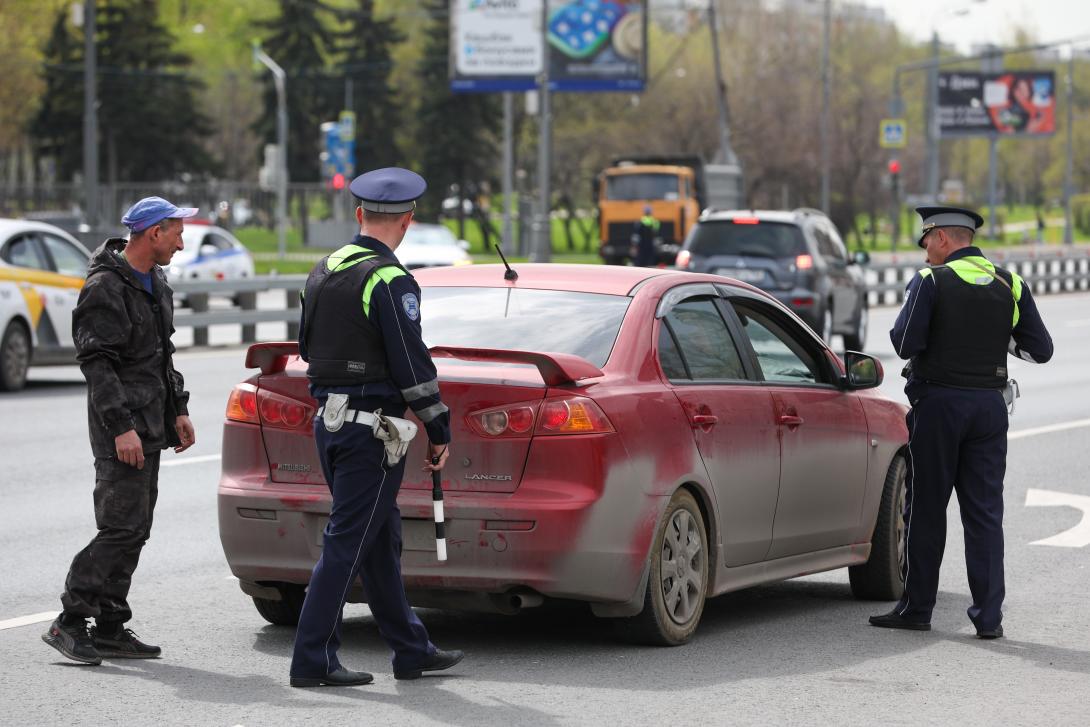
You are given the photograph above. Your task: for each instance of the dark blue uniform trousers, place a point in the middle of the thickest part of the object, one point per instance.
(363, 538)
(957, 441)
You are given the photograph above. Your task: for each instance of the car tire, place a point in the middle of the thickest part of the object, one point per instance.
(881, 578)
(286, 611)
(856, 340)
(676, 587)
(15, 351)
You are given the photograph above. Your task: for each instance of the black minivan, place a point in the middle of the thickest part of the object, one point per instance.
(797, 256)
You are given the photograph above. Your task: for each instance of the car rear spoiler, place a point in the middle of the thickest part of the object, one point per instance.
(557, 369)
(271, 358)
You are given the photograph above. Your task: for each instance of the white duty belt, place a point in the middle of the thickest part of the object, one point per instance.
(395, 432)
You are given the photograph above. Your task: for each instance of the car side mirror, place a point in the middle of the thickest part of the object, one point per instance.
(861, 257)
(864, 372)
(207, 250)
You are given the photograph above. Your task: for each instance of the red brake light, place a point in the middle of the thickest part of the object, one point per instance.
(683, 259)
(576, 415)
(745, 220)
(282, 412)
(242, 404)
(514, 420)
(804, 262)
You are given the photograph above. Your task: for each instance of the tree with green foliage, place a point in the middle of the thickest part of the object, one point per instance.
(150, 126)
(455, 137)
(299, 40)
(366, 62)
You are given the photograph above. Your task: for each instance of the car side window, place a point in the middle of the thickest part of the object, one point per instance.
(222, 243)
(827, 248)
(66, 258)
(780, 356)
(669, 355)
(707, 352)
(22, 252)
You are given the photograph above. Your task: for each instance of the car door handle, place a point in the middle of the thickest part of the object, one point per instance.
(790, 420)
(704, 420)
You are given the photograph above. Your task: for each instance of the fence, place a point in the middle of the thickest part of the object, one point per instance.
(1044, 273)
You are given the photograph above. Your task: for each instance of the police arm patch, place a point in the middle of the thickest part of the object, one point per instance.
(411, 306)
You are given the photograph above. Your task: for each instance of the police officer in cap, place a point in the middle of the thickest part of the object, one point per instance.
(360, 334)
(960, 319)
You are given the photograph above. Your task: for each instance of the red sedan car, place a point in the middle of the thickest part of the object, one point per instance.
(635, 438)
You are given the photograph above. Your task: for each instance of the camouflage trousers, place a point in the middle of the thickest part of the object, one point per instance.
(99, 579)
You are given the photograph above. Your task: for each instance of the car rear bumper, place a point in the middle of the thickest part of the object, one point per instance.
(497, 543)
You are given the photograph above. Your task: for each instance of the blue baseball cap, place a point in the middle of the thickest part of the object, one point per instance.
(151, 211)
(389, 190)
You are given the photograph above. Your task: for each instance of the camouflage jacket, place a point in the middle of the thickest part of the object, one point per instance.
(122, 337)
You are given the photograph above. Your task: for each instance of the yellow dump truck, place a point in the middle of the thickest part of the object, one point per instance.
(675, 188)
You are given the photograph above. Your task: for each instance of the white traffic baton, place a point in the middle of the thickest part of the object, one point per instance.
(437, 508)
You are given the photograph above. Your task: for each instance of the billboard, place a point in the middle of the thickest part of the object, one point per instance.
(590, 45)
(1009, 103)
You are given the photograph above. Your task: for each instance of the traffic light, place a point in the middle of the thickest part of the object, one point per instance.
(894, 167)
(894, 176)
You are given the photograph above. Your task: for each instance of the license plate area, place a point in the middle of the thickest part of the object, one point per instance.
(416, 534)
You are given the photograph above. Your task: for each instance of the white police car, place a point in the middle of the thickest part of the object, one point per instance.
(42, 269)
(211, 253)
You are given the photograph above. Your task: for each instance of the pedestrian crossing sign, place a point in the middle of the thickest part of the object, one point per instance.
(893, 134)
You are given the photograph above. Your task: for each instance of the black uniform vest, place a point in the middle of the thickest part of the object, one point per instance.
(343, 347)
(969, 333)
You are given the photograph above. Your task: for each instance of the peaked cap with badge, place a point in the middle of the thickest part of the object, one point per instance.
(391, 190)
(947, 217)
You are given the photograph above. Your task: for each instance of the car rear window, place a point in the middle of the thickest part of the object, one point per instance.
(761, 239)
(557, 321)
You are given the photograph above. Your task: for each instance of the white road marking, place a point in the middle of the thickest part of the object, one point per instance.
(189, 460)
(1062, 426)
(34, 618)
(1076, 537)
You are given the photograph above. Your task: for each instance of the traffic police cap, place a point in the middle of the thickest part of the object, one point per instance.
(947, 217)
(151, 211)
(390, 190)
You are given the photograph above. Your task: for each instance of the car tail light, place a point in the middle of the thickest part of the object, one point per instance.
(513, 420)
(575, 415)
(242, 404)
(804, 262)
(683, 259)
(248, 404)
(745, 220)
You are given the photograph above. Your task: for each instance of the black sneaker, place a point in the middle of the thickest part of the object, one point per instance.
(73, 641)
(123, 644)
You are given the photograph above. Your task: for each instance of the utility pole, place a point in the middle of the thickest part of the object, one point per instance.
(280, 81)
(933, 121)
(508, 166)
(825, 87)
(725, 155)
(993, 63)
(90, 119)
(543, 244)
(1069, 233)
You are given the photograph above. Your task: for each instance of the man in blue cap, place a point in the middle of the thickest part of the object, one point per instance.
(960, 319)
(137, 407)
(360, 334)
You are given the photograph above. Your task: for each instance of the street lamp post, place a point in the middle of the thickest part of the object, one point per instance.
(1069, 236)
(90, 119)
(826, 154)
(280, 81)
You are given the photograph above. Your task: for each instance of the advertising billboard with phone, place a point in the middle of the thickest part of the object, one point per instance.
(590, 45)
(1014, 103)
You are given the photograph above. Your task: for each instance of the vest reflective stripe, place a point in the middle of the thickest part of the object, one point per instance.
(384, 274)
(650, 222)
(335, 262)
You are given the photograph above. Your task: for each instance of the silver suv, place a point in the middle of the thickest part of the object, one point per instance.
(797, 256)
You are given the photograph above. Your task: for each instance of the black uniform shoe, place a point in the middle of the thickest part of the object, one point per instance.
(996, 633)
(340, 678)
(122, 644)
(72, 640)
(436, 662)
(894, 620)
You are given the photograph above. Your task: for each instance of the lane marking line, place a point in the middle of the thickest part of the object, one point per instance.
(190, 460)
(34, 618)
(1076, 537)
(1062, 426)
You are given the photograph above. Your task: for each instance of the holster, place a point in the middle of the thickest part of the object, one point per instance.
(395, 433)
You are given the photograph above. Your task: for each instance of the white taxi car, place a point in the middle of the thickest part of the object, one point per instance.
(42, 269)
(429, 246)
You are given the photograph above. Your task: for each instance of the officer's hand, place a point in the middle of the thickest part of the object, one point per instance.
(442, 451)
(129, 449)
(186, 434)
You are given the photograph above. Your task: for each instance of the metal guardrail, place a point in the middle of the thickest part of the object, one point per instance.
(1045, 273)
(1048, 272)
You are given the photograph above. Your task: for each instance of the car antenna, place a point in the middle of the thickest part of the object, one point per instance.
(510, 274)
